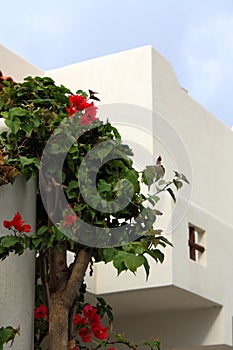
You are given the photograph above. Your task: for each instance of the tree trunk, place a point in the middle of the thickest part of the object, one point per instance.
(64, 290)
(58, 323)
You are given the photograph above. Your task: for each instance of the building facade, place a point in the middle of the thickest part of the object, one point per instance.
(188, 300)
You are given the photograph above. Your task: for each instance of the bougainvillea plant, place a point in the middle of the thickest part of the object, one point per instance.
(33, 111)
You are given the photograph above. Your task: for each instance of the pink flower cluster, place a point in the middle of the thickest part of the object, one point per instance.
(79, 103)
(89, 324)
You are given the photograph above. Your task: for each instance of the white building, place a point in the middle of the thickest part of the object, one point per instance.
(188, 300)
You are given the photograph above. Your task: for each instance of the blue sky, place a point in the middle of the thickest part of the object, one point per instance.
(196, 36)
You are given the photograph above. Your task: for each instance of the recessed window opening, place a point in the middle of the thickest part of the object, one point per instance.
(197, 244)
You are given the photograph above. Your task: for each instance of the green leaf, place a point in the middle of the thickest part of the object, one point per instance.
(116, 133)
(148, 175)
(184, 178)
(147, 268)
(2, 103)
(138, 249)
(4, 115)
(36, 242)
(132, 262)
(9, 241)
(28, 128)
(177, 183)
(135, 248)
(101, 301)
(72, 184)
(159, 171)
(109, 254)
(42, 230)
(152, 174)
(81, 92)
(103, 186)
(150, 200)
(119, 337)
(153, 199)
(6, 334)
(132, 176)
(17, 112)
(104, 151)
(161, 182)
(59, 235)
(36, 122)
(156, 254)
(29, 161)
(13, 125)
(40, 100)
(165, 240)
(171, 194)
(118, 261)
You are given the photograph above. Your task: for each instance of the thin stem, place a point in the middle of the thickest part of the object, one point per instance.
(43, 274)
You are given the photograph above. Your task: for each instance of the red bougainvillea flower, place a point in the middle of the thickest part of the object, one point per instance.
(111, 349)
(7, 224)
(94, 319)
(80, 102)
(90, 325)
(18, 223)
(85, 334)
(89, 116)
(79, 320)
(88, 310)
(100, 332)
(41, 312)
(70, 219)
(26, 228)
(71, 111)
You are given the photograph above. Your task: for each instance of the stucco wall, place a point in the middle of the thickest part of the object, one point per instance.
(196, 143)
(15, 66)
(17, 272)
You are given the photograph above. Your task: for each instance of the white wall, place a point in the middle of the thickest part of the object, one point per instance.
(120, 78)
(194, 142)
(207, 139)
(15, 66)
(17, 272)
(208, 142)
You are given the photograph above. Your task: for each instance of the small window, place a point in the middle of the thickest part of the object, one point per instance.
(197, 243)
